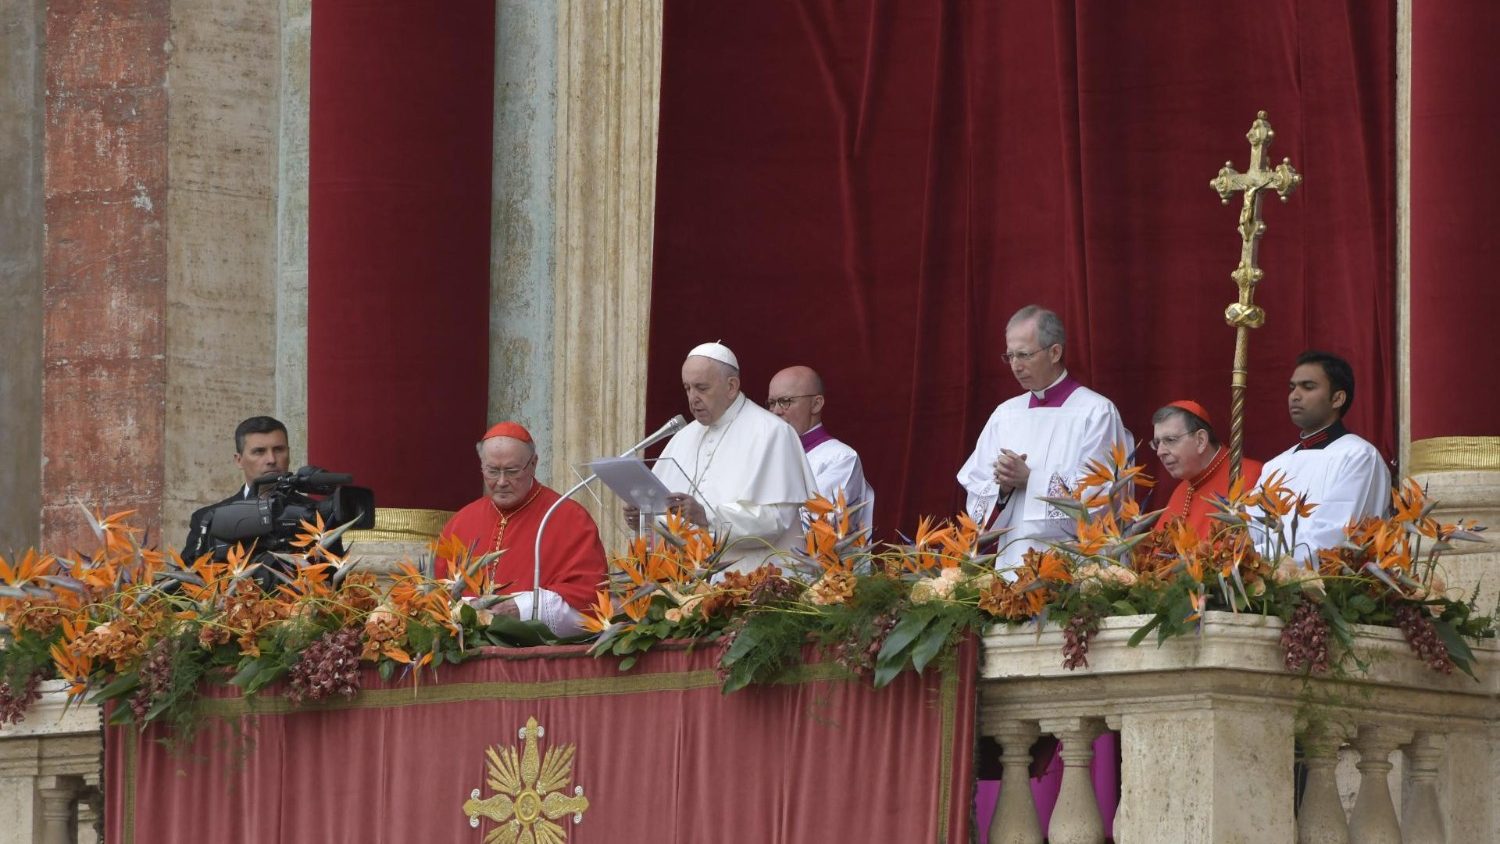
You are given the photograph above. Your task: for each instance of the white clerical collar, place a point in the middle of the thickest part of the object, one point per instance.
(729, 414)
(1041, 395)
(1304, 437)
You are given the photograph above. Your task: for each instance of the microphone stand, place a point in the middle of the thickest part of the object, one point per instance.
(673, 425)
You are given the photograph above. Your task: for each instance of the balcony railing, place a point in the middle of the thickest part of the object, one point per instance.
(1213, 727)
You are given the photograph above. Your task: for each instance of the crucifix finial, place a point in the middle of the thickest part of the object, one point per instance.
(1244, 314)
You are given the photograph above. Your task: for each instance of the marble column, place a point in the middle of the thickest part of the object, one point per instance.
(609, 68)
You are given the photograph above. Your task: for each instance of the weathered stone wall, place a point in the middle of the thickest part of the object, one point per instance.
(223, 342)
(21, 114)
(104, 368)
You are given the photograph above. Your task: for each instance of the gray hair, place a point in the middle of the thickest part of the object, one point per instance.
(479, 446)
(1049, 327)
(1191, 422)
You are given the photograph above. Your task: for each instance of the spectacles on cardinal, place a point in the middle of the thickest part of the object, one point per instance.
(495, 473)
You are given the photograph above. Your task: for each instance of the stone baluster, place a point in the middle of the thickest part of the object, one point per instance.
(1116, 723)
(90, 805)
(1075, 818)
(1320, 818)
(1422, 816)
(1373, 820)
(57, 795)
(1015, 820)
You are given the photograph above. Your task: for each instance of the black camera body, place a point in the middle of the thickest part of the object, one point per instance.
(273, 518)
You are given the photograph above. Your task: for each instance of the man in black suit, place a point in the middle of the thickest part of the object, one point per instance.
(260, 448)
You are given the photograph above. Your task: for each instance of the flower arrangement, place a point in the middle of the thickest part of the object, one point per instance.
(880, 611)
(134, 625)
(146, 629)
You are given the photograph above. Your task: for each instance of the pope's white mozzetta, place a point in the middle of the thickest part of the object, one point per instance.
(748, 471)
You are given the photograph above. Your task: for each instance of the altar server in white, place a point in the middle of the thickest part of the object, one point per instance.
(746, 465)
(1037, 443)
(1339, 471)
(796, 395)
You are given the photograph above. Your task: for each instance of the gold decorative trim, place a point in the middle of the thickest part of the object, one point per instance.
(132, 742)
(392, 698)
(1454, 454)
(396, 524)
(948, 715)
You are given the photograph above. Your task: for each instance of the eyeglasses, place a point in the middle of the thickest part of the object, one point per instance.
(785, 401)
(495, 473)
(1012, 357)
(1169, 441)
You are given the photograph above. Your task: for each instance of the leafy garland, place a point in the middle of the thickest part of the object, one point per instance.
(879, 612)
(140, 627)
(134, 625)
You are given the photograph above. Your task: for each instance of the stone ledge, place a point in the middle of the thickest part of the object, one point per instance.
(52, 716)
(1234, 663)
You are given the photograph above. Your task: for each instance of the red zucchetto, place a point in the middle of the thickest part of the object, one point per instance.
(508, 429)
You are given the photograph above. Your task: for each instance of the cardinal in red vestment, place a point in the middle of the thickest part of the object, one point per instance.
(507, 518)
(1190, 452)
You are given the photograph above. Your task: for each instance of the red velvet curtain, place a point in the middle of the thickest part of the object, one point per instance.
(873, 187)
(662, 756)
(1453, 249)
(401, 129)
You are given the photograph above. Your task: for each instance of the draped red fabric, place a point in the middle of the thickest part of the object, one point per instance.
(872, 188)
(661, 755)
(1453, 249)
(399, 245)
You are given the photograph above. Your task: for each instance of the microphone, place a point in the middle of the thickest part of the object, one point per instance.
(675, 424)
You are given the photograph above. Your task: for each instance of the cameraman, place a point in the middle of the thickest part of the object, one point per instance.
(260, 448)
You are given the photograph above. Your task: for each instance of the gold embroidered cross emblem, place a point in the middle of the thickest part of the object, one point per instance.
(528, 798)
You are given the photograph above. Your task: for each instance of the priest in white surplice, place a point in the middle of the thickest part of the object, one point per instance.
(796, 395)
(746, 465)
(1037, 443)
(1339, 471)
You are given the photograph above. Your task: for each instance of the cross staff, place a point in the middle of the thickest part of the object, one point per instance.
(1245, 314)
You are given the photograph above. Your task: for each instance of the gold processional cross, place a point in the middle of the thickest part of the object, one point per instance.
(1245, 314)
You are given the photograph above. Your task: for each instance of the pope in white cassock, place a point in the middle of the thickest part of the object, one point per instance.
(796, 395)
(1038, 443)
(1339, 471)
(745, 464)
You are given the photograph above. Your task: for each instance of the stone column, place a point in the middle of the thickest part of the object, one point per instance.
(522, 220)
(1211, 773)
(609, 67)
(20, 807)
(105, 289)
(57, 796)
(21, 156)
(223, 148)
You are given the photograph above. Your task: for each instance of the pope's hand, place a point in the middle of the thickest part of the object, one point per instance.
(1011, 471)
(633, 517)
(508, 608)
(688, 507)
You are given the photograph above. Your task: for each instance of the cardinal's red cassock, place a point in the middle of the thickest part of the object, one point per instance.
(1193, 498)
(573, 562)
